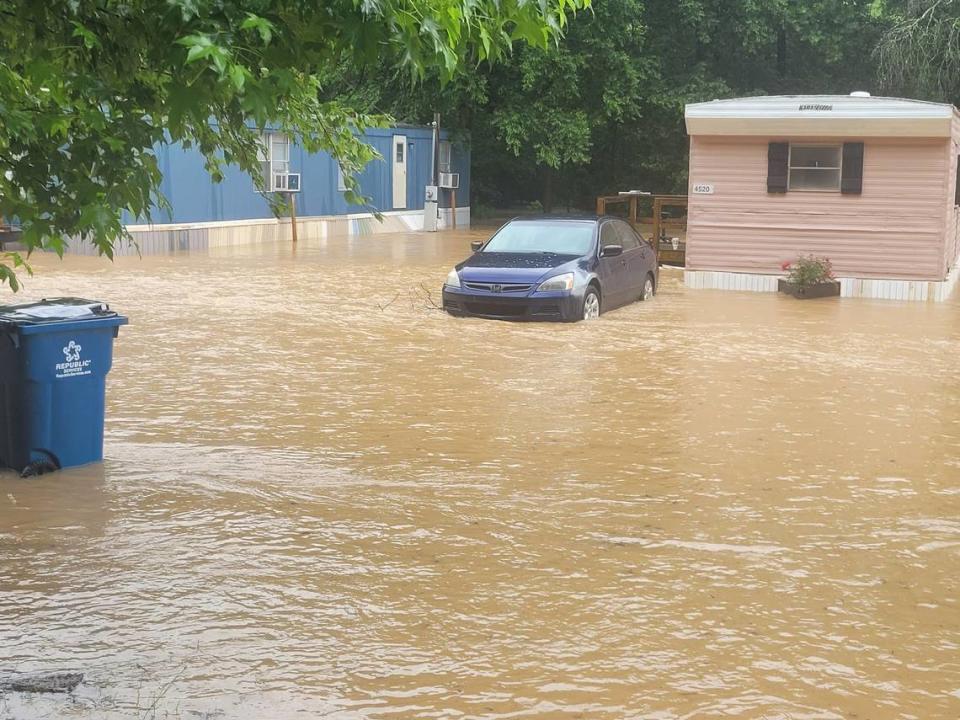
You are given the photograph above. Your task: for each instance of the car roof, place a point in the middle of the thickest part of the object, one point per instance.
(565, 218)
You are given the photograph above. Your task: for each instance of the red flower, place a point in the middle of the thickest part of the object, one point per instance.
(785, 265)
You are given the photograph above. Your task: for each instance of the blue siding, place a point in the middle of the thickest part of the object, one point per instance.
(460, 162)
(194, 196)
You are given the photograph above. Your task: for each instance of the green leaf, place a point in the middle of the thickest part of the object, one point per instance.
(485, 42)
(90, 40)
(238, 75)
(197, 52)
(191, 40)
(263, 26)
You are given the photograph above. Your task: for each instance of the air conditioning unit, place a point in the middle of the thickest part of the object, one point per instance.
(286, 182)
(451, 181)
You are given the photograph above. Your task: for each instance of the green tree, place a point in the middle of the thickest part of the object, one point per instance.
(551, 106)
(919, 55)
(88, 89)
(603, 111)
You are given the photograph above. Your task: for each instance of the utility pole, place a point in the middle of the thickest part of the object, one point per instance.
(292, 197)
(431, 198)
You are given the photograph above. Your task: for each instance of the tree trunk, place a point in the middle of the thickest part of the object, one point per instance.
(548, 190)
(615, 165)
(782, 52)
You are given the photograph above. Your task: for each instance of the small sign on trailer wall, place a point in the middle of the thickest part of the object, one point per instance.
(703, 188)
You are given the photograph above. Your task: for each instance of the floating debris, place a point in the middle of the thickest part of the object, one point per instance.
(59, 682)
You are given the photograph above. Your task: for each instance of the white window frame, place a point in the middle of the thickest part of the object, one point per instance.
(838, 168)
(265, 154)
(445, 156)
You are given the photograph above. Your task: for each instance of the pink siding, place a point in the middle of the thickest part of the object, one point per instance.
(895, 229)
(952, 246)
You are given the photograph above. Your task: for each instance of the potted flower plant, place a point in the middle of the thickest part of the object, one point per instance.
(809, 277)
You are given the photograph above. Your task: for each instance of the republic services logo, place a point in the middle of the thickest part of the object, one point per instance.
(73, 366)
(72, 351)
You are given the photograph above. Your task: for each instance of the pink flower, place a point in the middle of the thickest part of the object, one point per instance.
(785, 265)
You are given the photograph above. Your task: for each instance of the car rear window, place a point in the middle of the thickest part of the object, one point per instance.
(525, 236)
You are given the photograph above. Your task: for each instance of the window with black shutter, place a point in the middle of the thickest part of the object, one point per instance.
(815, 167)
(851, 181)
(778, 158)
(956, 195)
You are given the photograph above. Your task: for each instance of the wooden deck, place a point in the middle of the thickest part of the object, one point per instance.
(666, 222)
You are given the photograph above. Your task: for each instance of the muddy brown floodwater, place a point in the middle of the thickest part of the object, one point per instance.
(324, 498)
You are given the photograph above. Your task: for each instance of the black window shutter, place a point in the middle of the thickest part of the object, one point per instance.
(956, 197)
(851, 182)
(778, 154)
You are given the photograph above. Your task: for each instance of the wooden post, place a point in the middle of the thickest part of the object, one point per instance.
(633, 210)
(293, 215)
(601, 205)
(657, 225)
(453, 207)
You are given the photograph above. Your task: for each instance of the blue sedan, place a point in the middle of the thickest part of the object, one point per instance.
(553, 269)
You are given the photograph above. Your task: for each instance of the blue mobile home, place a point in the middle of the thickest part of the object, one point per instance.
(206, 214)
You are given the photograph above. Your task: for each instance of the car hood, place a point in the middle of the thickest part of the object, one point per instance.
(511, 267)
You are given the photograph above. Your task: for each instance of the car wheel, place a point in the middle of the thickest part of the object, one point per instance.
(648, 288)
(591, 304)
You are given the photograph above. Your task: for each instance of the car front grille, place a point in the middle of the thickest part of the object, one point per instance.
(547, 310)
(498, 287)
(496, 309)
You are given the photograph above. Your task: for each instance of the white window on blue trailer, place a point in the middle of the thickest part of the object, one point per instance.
(279, 153)
(274, 156)
(341, 182)
(446, 156)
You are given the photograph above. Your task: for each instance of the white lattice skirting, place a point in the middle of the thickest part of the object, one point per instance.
(174, 237)
(914, 290)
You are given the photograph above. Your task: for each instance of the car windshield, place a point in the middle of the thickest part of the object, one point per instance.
(526, 236)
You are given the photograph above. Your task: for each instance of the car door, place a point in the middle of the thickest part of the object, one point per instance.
(614, 275)
(641, 259)
(650, 259)
(633, 281)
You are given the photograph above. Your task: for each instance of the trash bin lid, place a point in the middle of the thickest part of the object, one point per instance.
(54, 310)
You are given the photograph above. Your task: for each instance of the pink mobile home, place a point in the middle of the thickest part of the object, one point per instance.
(870, 183)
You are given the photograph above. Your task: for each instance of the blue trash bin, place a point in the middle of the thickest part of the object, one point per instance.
(54, 360)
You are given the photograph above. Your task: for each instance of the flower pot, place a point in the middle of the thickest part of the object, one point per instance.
(831, 288)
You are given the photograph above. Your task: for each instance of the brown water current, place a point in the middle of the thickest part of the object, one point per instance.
(324, 498)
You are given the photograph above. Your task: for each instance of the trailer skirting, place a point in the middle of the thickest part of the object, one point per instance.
(186, 237)
(912, 290)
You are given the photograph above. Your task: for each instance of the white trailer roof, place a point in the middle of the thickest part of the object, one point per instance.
(820, 116)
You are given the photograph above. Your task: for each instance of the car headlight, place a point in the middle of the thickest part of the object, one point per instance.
(453, 279)
(556, 283)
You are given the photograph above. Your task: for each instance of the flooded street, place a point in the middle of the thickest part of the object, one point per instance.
(325, 498)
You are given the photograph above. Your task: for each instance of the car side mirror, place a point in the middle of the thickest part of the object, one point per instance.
(476, 245)
(611, 251)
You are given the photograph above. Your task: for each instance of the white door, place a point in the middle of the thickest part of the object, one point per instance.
(400, 172)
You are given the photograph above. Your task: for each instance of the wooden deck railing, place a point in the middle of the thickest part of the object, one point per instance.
(660, 224)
